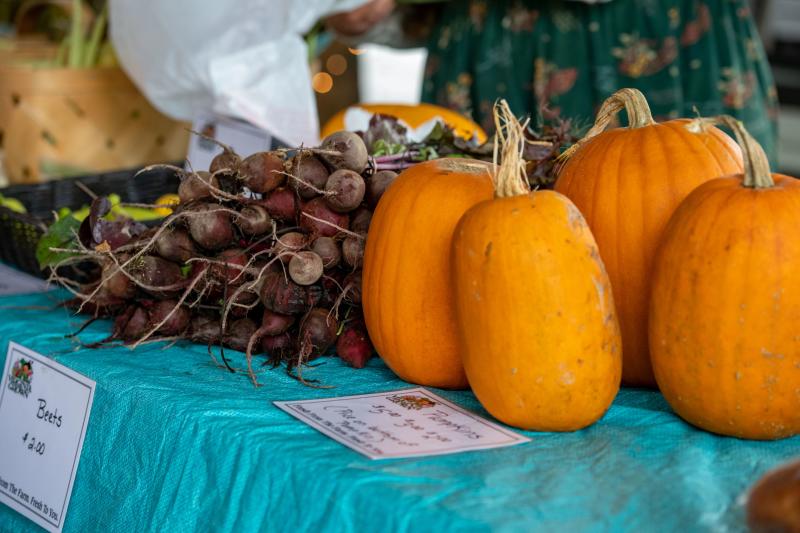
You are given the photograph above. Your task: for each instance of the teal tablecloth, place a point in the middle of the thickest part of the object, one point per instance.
(176, 444)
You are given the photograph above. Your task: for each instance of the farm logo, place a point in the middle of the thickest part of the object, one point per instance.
(412, 401)
(21, 376)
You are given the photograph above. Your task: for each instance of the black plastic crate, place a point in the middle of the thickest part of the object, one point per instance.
(19, 233)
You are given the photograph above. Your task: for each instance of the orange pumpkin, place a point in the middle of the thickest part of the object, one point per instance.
(725, 304)
(627, 182)
(537, 328)
(406, 285)
(414, 116)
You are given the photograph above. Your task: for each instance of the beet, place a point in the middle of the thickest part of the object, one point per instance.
(205, 329)
(281, 204)
(277, 345)
(155, 272)
(177, 322)
(308, 170)
(333, 221)
(175, 245)
(289, 242)
(239, 333)
(275, 323)
(353, 251)
(360, 219)
(344, 149)
(282, 295)
(377, 185)
(230, 272)
(262, 171)
(194, 186)
(353, 285)
(118, 285)
(210, 226)
(328, 250)
(317, 332)
(136, 326)
(243, 298)
(354, 346)
(305, 268)
(226, 162)
(254, 220)
(345, 190)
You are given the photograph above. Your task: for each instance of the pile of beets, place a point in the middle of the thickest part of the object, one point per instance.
(263, 255)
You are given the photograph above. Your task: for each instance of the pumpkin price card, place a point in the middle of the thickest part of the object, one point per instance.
(44, 412)
(402, 423)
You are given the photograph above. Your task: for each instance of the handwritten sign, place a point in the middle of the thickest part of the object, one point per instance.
(44, 411)
(403, 423)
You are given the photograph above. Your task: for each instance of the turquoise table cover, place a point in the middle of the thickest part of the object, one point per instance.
(177, 444)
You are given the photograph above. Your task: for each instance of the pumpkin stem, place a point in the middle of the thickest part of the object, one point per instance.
(632, 101)
(756, 164)
(510, 177)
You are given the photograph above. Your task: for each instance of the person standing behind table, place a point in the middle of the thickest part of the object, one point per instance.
(555, 58)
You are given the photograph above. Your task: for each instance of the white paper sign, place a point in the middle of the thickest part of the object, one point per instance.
(12, 281)
(244, 138)
(44, 411)
(401, 423)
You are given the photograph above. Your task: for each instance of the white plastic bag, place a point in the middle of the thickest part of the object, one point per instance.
(245, 59)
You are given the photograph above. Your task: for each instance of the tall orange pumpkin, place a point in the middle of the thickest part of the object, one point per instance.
(536, 322)
(725, 304)
(627, 182)
(406, 284)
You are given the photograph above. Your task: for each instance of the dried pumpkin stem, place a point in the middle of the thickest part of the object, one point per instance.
(756, 164)
(632, 101)
(510, 178)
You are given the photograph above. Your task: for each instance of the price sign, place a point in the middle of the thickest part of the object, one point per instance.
(402, 423)
(44, 412)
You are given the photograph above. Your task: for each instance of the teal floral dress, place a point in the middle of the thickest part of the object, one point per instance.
(552, 58)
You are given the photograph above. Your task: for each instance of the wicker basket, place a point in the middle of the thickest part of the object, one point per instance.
(21, 232)
(61, 121)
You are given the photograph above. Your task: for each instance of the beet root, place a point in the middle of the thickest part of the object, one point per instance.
(377, 185)
(352, 283)
(275, 323)
(175, 245)
(278, 346)
(288, 244)
(177, 322)
(320, 220)
(344, 190)
(254, 220)
(309, 175)
(157, 273)
(230, 271)
(328, 250)
(118, 284)
(345, 149)
(195, 186)
(226, 162)
(281, 295)
(238, 335)
(281, 204)
(305, 268)
(262, 172)
(359, 220)
(353, 251)
(317, 332)
(205, 330)
(354, 346)
(210, 226)
(131, 325)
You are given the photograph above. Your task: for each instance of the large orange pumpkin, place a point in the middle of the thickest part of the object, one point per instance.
(725, 304)
(407, 296)
(627, 182)
(537, 328)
